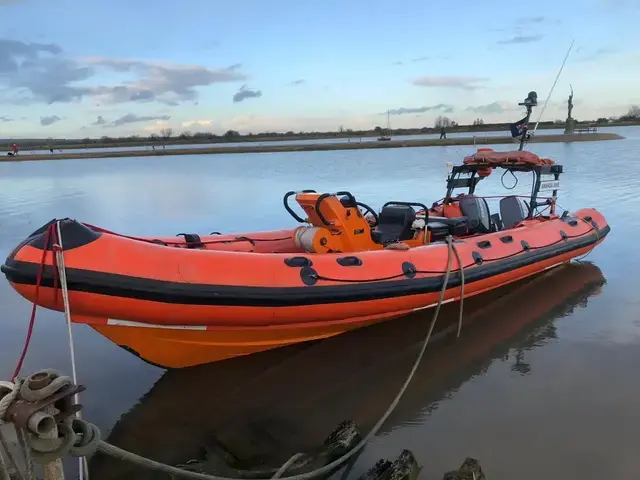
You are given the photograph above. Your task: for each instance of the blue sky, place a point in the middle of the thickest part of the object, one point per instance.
(115, 67)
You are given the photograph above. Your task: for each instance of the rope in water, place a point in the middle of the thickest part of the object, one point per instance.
(119, 453)
(43, 260)
(145, 462)
(62, 273)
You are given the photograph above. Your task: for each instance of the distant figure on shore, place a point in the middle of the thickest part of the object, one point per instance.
(51, 150)
(15, 149)
(443, 133)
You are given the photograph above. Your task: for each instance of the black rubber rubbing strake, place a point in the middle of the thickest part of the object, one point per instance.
(525, 245)
(349, 261)
(506, 239)
(309, 276)
(166, 291)
(298, 262)
(409, 269)
(477, 257)
(484, 244)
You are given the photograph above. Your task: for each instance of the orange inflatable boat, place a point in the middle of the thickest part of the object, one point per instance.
(188, 300)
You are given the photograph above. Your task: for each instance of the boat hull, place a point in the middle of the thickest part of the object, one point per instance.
(185, 346)
(177, 308)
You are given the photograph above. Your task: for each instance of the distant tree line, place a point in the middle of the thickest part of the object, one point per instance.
(633, 115)
(167, 135)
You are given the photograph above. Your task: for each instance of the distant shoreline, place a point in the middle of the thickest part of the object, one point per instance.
(586, 137)
(209, 139)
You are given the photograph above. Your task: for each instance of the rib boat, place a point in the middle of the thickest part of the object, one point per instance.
(185, 300)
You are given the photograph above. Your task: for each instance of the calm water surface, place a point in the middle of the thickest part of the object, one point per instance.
(542, 383)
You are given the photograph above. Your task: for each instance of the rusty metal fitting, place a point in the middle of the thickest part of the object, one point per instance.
(43, 389)
(39, 380)
(41, 423)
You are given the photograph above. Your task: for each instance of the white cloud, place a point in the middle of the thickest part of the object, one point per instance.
(41, 73)
(491, 108)
(196, 123)
(274, 123)
(448, 81)
(413, 110)
(156, 126)
(50, 120)
(161, 81)
(133, 118)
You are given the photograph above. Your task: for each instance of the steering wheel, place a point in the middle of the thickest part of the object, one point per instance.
(368, 209)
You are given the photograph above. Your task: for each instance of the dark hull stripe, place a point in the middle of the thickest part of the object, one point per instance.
(201, 294)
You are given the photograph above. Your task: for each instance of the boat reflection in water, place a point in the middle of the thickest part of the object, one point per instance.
(262, 408)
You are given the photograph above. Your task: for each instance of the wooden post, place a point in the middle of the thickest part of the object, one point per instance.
(52, 470)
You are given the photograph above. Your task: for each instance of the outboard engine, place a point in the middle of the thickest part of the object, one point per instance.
(476, 210)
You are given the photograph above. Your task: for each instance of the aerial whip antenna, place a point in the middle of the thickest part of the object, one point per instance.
(553, 86)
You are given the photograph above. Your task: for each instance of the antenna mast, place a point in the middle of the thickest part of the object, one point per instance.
(554, 86)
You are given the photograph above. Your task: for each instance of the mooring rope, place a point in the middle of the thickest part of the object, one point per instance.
(9, 393)
(62, 274)
(285, 466)
(461, 268)
(145, 462)
(86, 436)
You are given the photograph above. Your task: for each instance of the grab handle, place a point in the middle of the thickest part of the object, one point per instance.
(285, 201)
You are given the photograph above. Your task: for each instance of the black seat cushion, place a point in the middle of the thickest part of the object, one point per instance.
(440, 227)
(457, 225)
(394, 224)
(477, 211)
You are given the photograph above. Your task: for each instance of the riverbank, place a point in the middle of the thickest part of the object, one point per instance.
(206, 139)
(460, 141)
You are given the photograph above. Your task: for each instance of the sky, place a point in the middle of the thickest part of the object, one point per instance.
(92, 68)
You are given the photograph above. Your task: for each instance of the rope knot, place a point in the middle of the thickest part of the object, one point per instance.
(41, 409)
(397, 246)
(9, 392)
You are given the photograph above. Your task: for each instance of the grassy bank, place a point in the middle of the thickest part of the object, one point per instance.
(589, 137)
